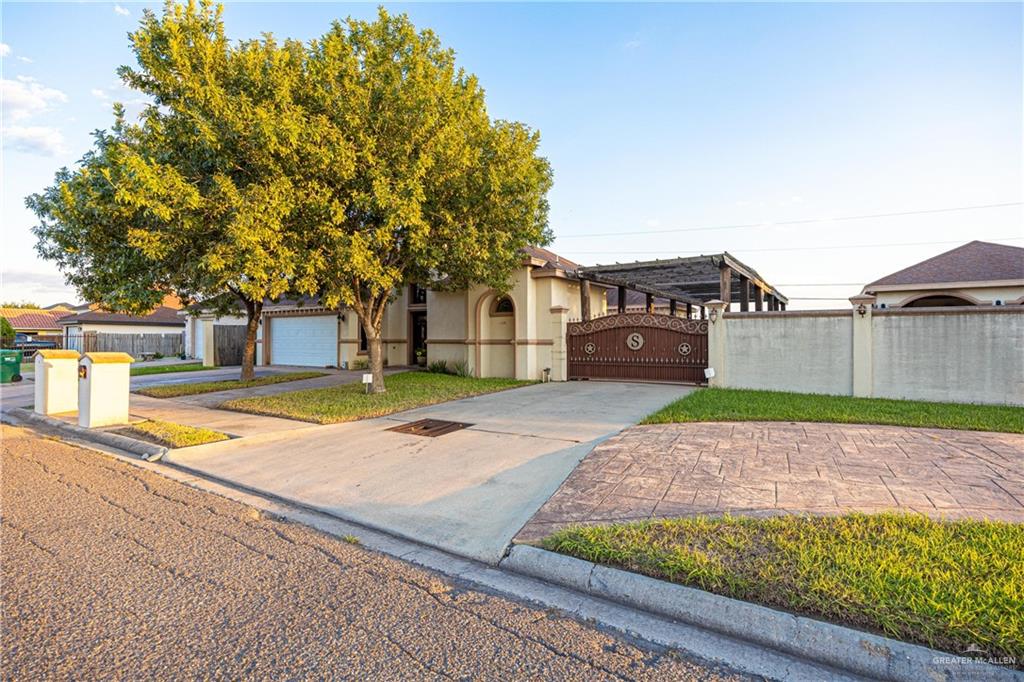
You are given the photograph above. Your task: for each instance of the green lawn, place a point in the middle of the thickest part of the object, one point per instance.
(172, 435)
(349, 402)
(175, 390)
(943, 584)
(168, 369)
(731, 404)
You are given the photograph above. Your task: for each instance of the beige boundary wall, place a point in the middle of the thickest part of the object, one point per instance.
(961, 354)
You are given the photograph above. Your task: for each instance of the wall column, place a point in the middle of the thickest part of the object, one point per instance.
(716, 342)
(863, 370)
(744, 294)
(621, 304)
(689, 310)
(559, 348)
(758, 298)
(649, 303)
(672, 307)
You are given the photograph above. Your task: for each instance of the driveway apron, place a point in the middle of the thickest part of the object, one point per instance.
(466, 492)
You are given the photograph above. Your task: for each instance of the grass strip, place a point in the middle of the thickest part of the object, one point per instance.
(733, 404)
(350, 402)
(176, 390)
(168, 369)
(172, 435)
(945, 584)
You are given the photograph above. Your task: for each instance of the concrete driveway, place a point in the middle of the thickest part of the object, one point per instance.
(467, 492)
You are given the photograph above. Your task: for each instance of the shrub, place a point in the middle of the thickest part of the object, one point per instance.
(360, 364)
(158, 356)
(6, 333)
(460, 368)
(438, 367)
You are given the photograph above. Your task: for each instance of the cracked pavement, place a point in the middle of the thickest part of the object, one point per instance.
(110, 571)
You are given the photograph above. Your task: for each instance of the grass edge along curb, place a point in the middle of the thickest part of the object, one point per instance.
(835, 646)
(172, 435)
(946, 584)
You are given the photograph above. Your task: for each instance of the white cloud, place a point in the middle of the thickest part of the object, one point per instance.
(123, 11)
(40, 140)
(99, 94)
(24, 59)
(25, 96)
(5, 49)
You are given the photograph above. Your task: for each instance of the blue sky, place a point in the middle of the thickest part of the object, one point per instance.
(655, 118)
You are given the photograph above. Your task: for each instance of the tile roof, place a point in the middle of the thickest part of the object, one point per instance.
(162, 315)
(553, 260)
(33, 318)
(973, 262)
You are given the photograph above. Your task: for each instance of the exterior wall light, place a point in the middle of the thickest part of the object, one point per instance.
(713, 315)
(862, 310)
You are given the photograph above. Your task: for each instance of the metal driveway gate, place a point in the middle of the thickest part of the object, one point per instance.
(638, 346)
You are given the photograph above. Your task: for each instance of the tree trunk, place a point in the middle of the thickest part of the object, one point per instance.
(253, 310)
(375, 349)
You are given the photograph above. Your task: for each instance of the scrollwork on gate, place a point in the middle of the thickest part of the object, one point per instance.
(654, 320)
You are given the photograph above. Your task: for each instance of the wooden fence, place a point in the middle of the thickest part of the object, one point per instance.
(136, 345)
(228, 344)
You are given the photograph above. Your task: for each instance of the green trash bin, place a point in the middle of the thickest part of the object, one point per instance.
(10, 366)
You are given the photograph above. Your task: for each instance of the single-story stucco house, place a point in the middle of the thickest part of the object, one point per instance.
(977, 273)
(492, 334)
(521, 333)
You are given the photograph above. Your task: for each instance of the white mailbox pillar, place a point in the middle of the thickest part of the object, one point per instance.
(103, 384)
(56, 377)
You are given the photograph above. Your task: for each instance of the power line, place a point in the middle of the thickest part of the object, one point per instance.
(808, 248)
(740, 226)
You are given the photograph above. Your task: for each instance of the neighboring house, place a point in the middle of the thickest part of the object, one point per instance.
(492, 334)
(977, 273)
(199, 331)
(162, 321)
(35, 321)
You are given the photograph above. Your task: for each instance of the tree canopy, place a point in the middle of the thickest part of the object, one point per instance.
(346, 168)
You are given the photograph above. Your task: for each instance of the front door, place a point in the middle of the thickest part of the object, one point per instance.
(418, 338)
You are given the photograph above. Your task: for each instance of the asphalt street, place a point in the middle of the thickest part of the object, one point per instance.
(110, 571)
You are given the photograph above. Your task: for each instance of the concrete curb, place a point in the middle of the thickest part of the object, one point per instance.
(850, 650)
(147, 451)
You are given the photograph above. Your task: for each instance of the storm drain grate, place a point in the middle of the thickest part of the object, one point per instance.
(430, 427)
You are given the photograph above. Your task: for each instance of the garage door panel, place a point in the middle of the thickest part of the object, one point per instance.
(310, 341)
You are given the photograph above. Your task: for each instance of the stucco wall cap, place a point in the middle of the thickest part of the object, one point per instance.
(108, 358)
(57, 354)
(862, 298)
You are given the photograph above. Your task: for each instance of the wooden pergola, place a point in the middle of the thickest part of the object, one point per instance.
(691, 281)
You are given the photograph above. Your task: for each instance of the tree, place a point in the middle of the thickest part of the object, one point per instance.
(20, 304)
(440, 195)
(6, 333)
(205, 197)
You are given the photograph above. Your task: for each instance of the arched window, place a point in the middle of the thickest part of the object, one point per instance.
(937, 301)
(502, 305)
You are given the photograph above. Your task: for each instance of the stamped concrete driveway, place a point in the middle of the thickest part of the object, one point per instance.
(467, 492)
(763, 468)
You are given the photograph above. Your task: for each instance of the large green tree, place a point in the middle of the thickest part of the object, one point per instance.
(349, 167)
(441, 195)
(210, 195)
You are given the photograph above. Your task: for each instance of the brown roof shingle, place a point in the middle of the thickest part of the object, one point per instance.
(163, 315)
(973, 262)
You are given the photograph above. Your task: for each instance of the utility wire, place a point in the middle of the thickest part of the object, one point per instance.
(740, 226)
(808, 248)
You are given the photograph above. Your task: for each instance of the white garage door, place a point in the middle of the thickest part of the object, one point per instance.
(304, 341)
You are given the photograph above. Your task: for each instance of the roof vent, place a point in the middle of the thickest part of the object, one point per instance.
(999, 301)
